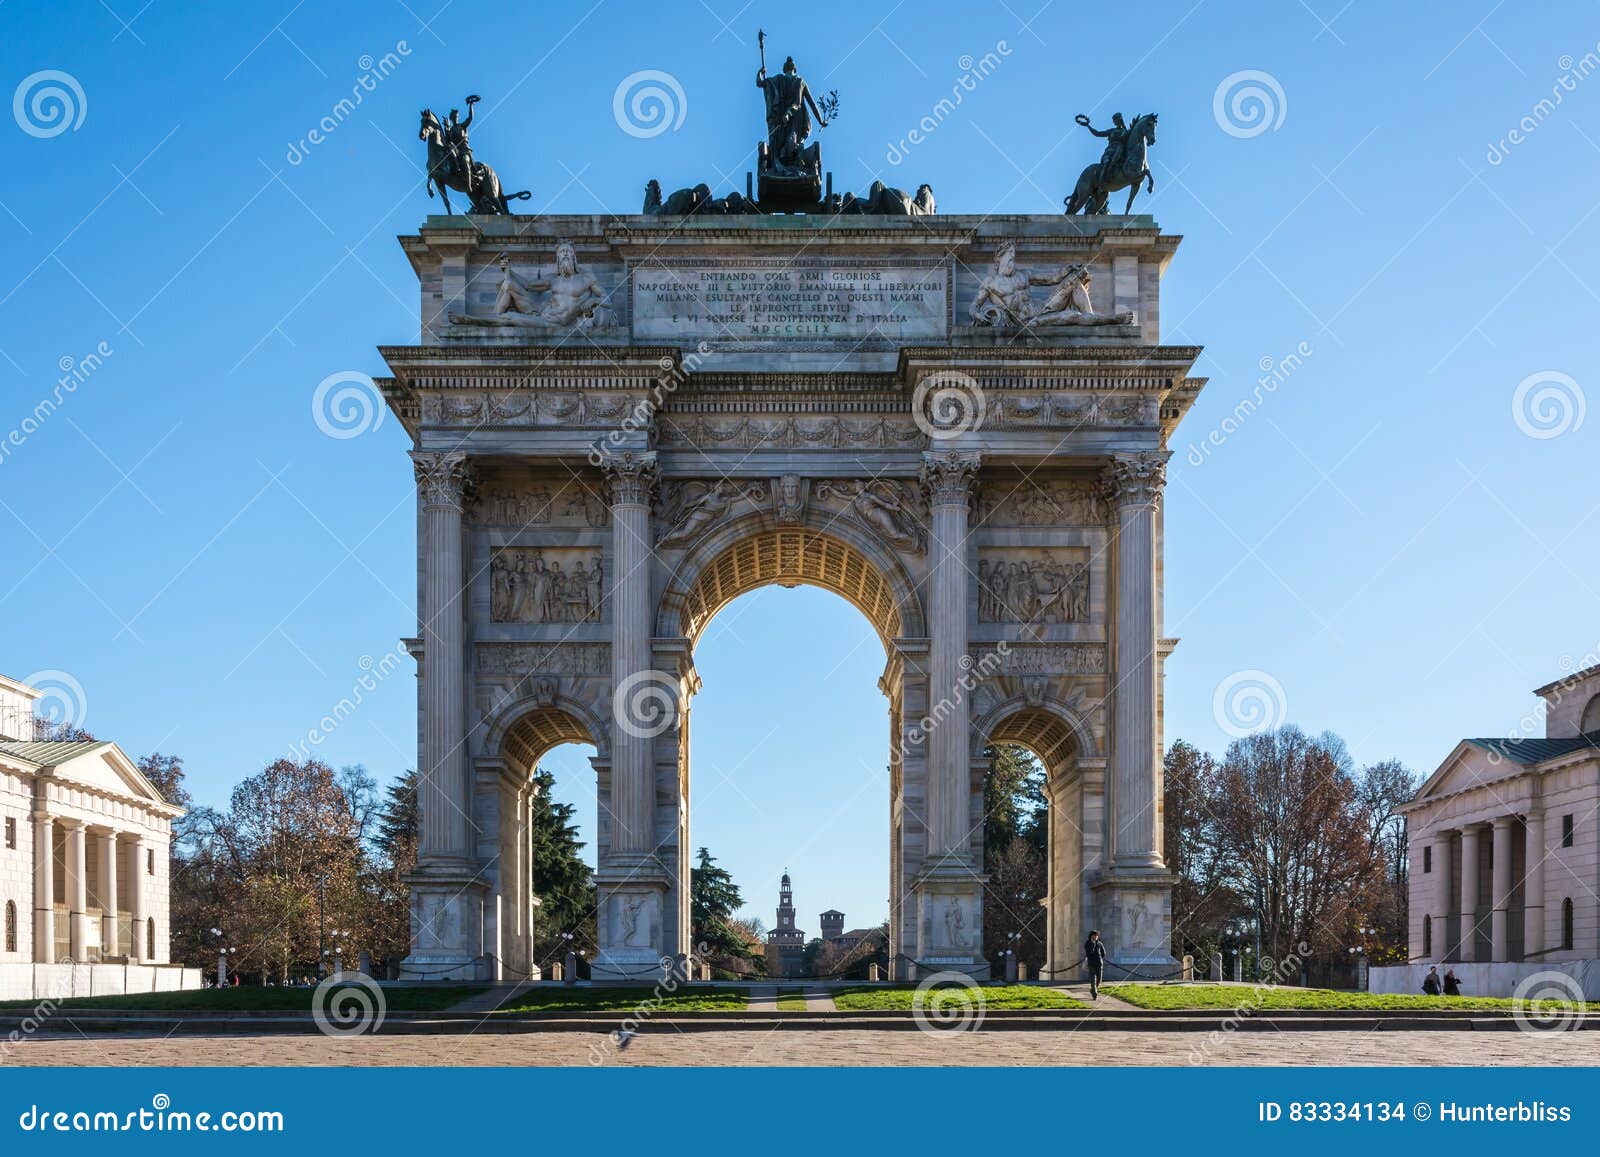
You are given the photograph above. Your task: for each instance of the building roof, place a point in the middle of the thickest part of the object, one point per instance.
(1530, 750)
(1565, 681)
(833, 912)
(49, 754)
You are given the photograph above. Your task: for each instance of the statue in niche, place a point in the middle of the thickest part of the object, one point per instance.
(699, 505)
(573, 298)
(1035, 591)
(524, 588)
(885, 507)
(1004, 301)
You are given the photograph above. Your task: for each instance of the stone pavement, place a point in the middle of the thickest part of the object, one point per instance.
(844, 1047)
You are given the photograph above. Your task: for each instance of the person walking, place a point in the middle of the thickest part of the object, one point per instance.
(1452, 983)
(1094, 955)
(1430, 982)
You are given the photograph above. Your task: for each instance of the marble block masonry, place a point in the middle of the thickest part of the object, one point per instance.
(622, 423)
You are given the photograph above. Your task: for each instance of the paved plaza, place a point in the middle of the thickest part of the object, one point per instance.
(843, 1047)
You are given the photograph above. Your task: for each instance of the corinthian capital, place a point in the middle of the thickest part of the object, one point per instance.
(630, 475)
(950, 476)
(442, 477)
(1136, 479)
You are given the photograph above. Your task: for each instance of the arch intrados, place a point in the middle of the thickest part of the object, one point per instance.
(1051, 732)
(525, 732)
(749, 555)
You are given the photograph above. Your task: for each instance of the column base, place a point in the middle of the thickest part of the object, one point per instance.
(1135, 914)
(631, 927)
(447, 925)
(949, 924)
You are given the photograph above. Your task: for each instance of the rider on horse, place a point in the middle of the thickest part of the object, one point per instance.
(1116, 140)
(455, 140)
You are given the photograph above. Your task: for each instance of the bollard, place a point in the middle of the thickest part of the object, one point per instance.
(1216, 966)
(1011, 967)
(1188, 967)
(555, 971)
(570, 972)
(872, 972)
(365, 962)
(1022, 971)
(1238, 966)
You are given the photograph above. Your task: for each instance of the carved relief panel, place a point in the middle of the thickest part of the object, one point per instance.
(523, 500)
(1033, 586)
(1018, 499)
(545, 585)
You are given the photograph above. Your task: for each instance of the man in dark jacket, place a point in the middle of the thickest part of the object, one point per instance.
(1430, 982)
(1094, 955)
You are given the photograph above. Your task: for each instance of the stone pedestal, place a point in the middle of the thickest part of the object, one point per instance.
(632, 910)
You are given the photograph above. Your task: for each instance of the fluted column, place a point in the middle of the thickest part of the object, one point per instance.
(1469, 893)
(142, 949)
(1533, 888)
(949, 478)
(44, 889)
(1500, 900)
(77, 891)
(1441, 896)
(1134, 483)
(631, 478)
(106, 885)
(442, 796)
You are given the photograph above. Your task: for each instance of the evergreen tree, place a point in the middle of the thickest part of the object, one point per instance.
(713, 899)
(561, 880)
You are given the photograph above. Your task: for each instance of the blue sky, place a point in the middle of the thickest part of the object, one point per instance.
(1382, 537)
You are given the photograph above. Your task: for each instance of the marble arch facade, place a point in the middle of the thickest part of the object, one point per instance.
(752, 408)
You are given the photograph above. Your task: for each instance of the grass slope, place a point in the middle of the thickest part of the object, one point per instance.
(247, 998)
(898, 999)
(791, 1001)
(1220, 996)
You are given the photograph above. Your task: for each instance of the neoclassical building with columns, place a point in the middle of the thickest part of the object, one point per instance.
(1505, 860)
(84, 861)
(620, 424)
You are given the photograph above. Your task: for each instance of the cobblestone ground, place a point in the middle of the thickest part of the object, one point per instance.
(829, 1048)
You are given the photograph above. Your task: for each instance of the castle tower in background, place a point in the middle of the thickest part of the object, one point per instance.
(786, 944)
(832, 924)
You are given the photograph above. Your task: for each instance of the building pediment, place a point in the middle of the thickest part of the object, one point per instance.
(106, 769)
(1471, 765)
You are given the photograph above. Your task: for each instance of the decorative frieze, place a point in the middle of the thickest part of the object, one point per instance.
(1054, 659)
(1022, 500)
(543, 658)
(510, 502)
(782, 432)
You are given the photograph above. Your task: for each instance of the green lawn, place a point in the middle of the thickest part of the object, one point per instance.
(1225, 996)
(792, 1001)
(247, 998)
(898, 998)
(560, 998)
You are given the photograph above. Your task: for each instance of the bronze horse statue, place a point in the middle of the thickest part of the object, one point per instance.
(444, 172)
(1094, 186)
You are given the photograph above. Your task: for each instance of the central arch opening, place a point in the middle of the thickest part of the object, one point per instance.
(791, 749)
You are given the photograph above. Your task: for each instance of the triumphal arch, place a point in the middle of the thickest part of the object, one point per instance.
(621, 423)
